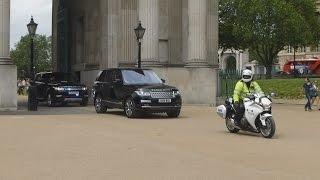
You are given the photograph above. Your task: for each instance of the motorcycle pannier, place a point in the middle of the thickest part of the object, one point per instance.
(222, 111)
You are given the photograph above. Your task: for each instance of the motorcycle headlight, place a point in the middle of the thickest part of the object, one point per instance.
(58, 88)
(84, 88)
(143, 93)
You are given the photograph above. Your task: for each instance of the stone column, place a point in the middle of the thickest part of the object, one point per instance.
(5, 32)
(109, 33)
(197, 45)
(212, 33)
(8, 71)
(149, 16)
(127, 38)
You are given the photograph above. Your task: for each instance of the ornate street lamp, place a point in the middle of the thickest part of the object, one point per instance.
(32, 92)
(139, 33)
(32, 28)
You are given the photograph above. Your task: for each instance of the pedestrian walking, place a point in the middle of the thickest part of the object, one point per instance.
(20, 89)
(315, 95)
(307, 86)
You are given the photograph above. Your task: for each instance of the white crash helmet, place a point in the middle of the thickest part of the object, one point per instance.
(247, 75)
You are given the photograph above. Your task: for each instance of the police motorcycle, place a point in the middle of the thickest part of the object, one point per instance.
(257, 117)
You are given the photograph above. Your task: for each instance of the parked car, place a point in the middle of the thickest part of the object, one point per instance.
(55, 87)
(136, 91)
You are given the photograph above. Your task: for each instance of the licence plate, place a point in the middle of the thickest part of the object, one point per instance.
(164, 100)
(74, 93)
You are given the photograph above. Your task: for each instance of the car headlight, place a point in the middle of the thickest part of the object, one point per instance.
(84, 88)
(143, 93)
(176, 93)
(58, 88)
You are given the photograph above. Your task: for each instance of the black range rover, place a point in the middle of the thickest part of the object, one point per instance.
(55, 87)
(137, 91)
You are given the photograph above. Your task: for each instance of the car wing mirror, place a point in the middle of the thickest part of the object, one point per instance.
(117, 81)
(163, 81)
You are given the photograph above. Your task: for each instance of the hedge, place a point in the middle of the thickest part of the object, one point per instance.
(285, 88)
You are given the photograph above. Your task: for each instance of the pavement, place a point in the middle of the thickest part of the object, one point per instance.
(75, 143)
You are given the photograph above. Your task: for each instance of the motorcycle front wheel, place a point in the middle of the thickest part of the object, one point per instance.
(230, 126)
(270, 128)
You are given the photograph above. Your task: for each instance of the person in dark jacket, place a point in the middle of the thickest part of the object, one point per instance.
(307, 86)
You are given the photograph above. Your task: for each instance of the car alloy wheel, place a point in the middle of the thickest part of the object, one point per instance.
(130, 109)
(99, 106)
(97, 103)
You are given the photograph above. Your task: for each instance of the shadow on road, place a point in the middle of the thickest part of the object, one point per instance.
(246, 134)
(76, 109)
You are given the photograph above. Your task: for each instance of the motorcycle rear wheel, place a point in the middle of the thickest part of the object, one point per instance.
(269, 130)
(230, 126)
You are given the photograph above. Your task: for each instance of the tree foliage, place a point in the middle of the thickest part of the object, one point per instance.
(42, 55)
(267, 26)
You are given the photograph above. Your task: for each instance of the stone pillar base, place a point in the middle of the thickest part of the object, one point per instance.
(198, 86)
(197, 64)
(5, 61)
(150, 63)
(8, 88)
(126, 64)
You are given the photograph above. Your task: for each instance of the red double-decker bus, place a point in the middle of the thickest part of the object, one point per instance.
(303, 66)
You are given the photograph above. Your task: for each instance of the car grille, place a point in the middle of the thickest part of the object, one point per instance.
(162, 95)
(72, 88)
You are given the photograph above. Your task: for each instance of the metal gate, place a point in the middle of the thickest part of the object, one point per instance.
(227, 81)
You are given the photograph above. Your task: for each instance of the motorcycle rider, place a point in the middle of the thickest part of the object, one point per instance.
(244, 87)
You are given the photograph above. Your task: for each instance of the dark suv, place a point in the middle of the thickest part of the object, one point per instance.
(60, 88)
(137, 91)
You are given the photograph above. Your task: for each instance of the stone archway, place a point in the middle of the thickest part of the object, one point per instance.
(191, 47)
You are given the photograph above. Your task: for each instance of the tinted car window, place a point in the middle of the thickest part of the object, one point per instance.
(102, 76)
(138, 76)
(46, 77)
(105, 76)
(38, 77)
(116, 75)
(109, 76)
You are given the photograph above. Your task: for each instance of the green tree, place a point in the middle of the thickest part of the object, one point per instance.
(267, 26)
(42, 54)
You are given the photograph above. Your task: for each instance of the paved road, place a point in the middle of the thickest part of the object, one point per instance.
(74, 143)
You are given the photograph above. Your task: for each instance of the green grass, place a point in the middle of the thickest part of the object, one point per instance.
(285, 88)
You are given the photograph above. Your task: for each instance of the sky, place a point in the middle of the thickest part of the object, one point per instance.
(21, 11)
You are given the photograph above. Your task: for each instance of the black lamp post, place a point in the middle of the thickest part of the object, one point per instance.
(139, 33)
(32, 92)
(32, 28)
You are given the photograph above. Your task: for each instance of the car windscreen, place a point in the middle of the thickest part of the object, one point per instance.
(140, 77)
(62, 77)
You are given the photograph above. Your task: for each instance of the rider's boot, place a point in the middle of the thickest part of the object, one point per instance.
(237, 120)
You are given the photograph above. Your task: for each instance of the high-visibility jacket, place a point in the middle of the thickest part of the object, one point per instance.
(241, 90)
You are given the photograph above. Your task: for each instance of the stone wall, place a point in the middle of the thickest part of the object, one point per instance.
(8, 87)
(197, 85)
